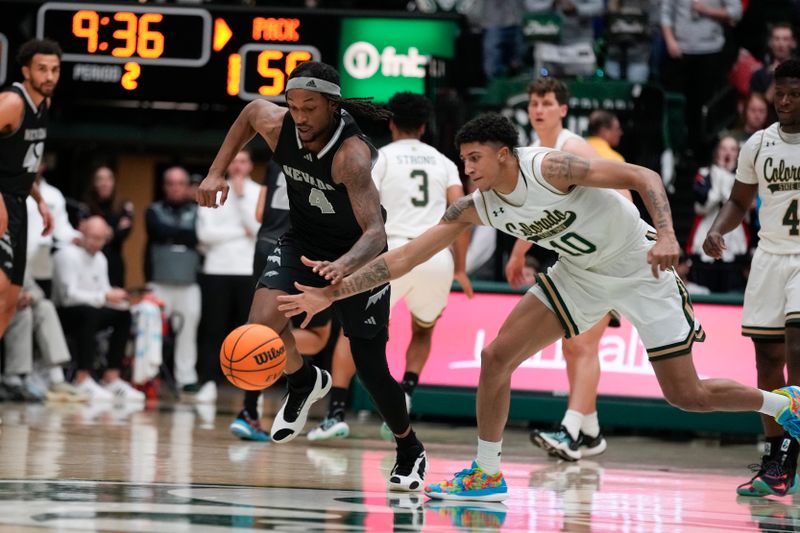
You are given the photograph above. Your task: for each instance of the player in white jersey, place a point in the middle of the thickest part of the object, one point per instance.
(769, 166)
(416, 183)
(563, 202)
(579, 434)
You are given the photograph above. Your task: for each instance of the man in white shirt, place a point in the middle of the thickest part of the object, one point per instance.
(227, 236)
(87, 304)
(416, 183)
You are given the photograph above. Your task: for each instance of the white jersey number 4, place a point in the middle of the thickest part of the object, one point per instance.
(317, 198)
(33, 157)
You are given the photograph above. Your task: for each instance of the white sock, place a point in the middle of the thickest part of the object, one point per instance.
(773, 403)
(56, 375)
(489, 456)
(590, 425)
(572, 421)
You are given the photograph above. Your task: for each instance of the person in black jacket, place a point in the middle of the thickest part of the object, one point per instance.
(172, 265)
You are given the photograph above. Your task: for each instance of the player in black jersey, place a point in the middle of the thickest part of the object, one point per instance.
(23, 130)
(336, 219)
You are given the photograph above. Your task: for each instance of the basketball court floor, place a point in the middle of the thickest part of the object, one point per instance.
(175, 467)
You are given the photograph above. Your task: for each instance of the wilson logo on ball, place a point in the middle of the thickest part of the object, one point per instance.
(269, 355)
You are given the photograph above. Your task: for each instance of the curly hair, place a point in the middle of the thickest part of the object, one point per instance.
(788, 69)
(488, 128)
(410, 111)
(37, 46)
(358, 107)
(542, 86)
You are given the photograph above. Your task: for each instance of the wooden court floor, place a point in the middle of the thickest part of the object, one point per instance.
(175, 467)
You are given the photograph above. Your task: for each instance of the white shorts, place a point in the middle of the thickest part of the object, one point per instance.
(426, 287)
(659, 309)
(772, 297)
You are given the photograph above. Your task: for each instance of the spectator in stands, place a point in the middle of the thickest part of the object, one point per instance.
(172, 266)
(501, 21)
(36, 324)
(694, 32)
(40, 248)
(605, 133)
(782, 45)
(753, 118)
(227, 235)
(576, 16)
(628, 49)
(712, 188)
(102, 200)
(87, 304)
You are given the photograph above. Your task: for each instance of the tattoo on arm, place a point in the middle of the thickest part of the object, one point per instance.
(661, 213)
(372, 275)
(564, 166)
(456, 209)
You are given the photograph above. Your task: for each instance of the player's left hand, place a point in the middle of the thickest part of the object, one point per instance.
(331, 271)
(664, 254)
(310, 301)
(47, 218)
(464, 281)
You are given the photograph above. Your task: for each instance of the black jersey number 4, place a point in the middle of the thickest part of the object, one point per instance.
(318, 199)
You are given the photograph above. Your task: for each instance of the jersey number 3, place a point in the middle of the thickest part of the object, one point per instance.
(317, 198)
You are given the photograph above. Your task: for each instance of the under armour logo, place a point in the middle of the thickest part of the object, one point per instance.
(498, 210)
(308, 157)
(311, 84)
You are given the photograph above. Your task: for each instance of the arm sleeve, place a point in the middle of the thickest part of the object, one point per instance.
(210, 231)
(66, 280)
(746, 169)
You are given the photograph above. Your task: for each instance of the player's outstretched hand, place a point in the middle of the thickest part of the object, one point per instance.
(464, 281)
(714, 245)
(327, 269)
(664, 254)
(310, 301)
(515, 271)
(208, 189)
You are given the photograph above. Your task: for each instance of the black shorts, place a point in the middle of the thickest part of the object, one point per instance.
(14, 242)
(364, 315)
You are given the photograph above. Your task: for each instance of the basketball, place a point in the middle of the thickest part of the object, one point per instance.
(252, 357)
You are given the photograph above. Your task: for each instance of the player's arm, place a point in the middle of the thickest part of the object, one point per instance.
(11, 110)
(41, 205)
(460, 246)
(729, 217)
(565, 171)
(387, 266)
(352, 167)
(259, 116)
(262, 199)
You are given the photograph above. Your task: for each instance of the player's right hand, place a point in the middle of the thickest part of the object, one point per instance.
(515, 271)
(714, 245)
(208, 189)
(310, 301)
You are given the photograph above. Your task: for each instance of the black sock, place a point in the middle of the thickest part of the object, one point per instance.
(410, 382)
(251, 403)
(409, 441)
(338, 403)
(772, 447)
(302, 379)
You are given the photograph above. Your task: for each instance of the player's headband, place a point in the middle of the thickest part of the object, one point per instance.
(314, 84)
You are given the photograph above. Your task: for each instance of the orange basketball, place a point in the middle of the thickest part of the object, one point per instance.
(252, 357)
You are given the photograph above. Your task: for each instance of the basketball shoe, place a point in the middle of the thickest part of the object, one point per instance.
(470, 516)
(470, 484)
(777, 473)
(330, 428)
(409, 511)
(409, 469)
(247, 428)
(559, 443)
(291, 418)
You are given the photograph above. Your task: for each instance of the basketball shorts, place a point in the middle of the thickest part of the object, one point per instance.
(772, 296)
(659, 309)
(426, 288)
(14, 242)
(364, 315)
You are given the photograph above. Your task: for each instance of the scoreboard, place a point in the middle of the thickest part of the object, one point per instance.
(123, 54)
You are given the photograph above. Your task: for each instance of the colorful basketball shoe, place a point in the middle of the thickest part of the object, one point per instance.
(789, 417)
(330, 428)
(247, 428)
(559, 443)
(470, 484)
(777, 473)
(471, 516)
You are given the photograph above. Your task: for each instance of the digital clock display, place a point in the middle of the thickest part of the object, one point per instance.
(266, 67)
(166, 36)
